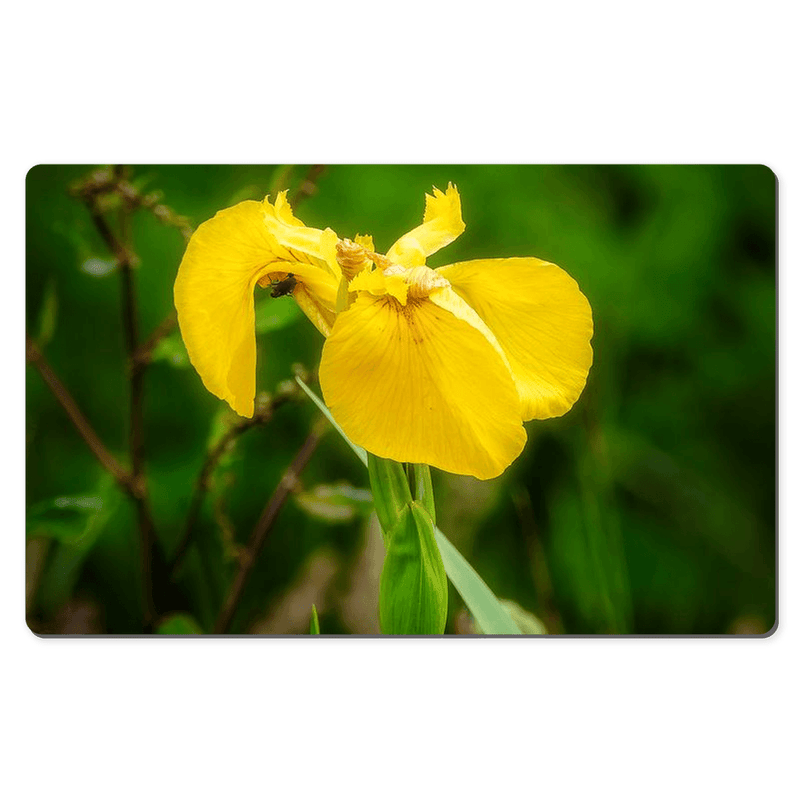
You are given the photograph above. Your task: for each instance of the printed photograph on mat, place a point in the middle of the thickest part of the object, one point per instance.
(401, 400)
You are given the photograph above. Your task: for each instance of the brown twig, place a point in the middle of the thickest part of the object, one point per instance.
(309, 185)
(87, 433)
(111, 181)
(126, 260)
(144, 353)
(264, 525)
(202, 483)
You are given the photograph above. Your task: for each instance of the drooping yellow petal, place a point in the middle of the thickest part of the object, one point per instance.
(214, 298)
(541, 320)
(225, 258)
(415, 383)
(441, 225)
(448, 300)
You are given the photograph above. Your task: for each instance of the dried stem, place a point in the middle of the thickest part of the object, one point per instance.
(126, 260)
(144, 353)
(87, 433)
(107, 181)
(263, 527)
(104, 182)
(201, 486)
(309, 185)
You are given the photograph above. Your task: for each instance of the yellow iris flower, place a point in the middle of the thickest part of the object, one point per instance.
(432, 366)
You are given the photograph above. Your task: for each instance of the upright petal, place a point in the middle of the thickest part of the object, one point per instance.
(542, 322)
(298, 242)
(415, 383)
(441, 225)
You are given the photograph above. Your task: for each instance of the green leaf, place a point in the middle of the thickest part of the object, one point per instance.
(423, 489)
(76, 523)
(274, 313)
(359, 451)
(413, 591)
(487, 610)
(314, 621)
(67, 519)
(179, 625)
(172, 350)
(389, 490)
(335, 503)
(528, 623)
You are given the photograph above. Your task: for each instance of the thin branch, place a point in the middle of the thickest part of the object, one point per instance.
(111, 181)
(263, 527)
(144, 353)
(93, 190)
(126, 260)
(87, 433)
(263, 414)
(309, 185)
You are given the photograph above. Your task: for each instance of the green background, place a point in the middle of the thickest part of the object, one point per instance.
(648, 508)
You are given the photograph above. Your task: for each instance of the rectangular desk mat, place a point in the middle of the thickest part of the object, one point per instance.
(457, 400)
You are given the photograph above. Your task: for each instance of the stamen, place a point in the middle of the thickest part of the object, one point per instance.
(352, 258)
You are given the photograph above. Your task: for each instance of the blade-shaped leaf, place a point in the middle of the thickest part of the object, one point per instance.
(413, 593)
(359, 451)
(314, 621)
(389, 489)
(423, 489)
(488, 611)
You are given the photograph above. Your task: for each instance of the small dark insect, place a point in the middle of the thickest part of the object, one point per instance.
(284, 287)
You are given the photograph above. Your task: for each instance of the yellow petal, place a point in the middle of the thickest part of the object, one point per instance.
(297, 242)
(365, 240)
(542, 322)
(224, 260)
(214, 298)
(377, 283)
(448, 300)
(415, 383)
(321, 317)
(441, 225)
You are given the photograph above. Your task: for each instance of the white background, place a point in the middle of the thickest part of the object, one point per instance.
(419, 82)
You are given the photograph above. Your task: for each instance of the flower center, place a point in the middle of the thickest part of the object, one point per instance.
(421, 281)
(403, 283)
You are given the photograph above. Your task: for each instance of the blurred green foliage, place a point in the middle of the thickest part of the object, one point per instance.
(648, 508)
